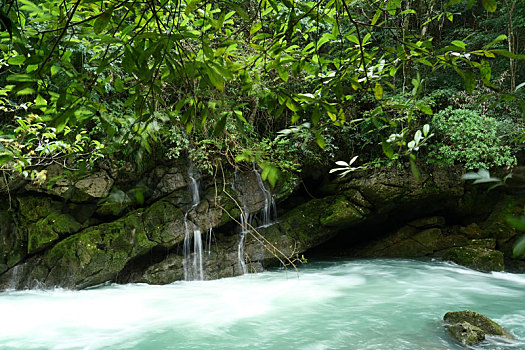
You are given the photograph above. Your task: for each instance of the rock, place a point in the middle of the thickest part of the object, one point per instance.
(172, 180)
(488, 326)
(48, 230)
(481, 259)
(466, 333)
(422, 223)
(95, 185)
(472, 231)
(341, 213)
(306, 226)
(497, 226)
(487, 243)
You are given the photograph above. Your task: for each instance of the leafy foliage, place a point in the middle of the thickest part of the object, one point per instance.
(218, 80)
(470, 138)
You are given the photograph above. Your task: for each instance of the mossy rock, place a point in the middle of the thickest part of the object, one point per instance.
(96, 254)
(466, 333)
(340, 213)
(481, 259)
(487, 325)
(35, 208)
(48, 230)
(428, 222)
(487, 243)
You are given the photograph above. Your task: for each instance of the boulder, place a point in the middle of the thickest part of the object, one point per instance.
(305, 227)
(50, 229)
(466, 333)
(478, 258)
(488, 326)
(96, 185)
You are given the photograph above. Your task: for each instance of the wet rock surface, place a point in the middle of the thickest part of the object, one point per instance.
(133, 229)
(470, 327)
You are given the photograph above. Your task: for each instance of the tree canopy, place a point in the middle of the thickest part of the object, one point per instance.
(246, 81)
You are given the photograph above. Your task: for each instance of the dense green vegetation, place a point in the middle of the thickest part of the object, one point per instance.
(283, 84)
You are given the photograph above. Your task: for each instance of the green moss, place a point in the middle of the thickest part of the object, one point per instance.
(98, 253)
(34, 208)
(48, 230)
(476, 258)
(340, 213)
(466, 333)
(483, 322)
(163, 222)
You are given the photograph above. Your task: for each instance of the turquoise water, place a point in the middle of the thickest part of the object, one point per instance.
(361, 304)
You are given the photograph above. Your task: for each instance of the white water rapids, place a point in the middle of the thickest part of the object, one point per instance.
(361, 304)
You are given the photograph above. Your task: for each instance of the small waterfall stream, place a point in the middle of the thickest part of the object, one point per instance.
(266, 216)
(13, 283)
(193, 270)
(269, 202)
(245, 222)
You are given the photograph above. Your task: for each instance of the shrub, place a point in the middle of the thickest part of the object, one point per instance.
(465, 136)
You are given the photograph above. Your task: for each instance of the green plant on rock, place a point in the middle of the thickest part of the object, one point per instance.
(467, 137)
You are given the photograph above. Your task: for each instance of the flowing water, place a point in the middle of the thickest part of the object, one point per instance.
(362, 304)
(245, 220)
(269, 202)
(193, 271)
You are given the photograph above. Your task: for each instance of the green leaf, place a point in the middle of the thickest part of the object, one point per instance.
(219, 127)
(320, 140)
(5, 157)
(485, 71)
(245, 156)
(378, 91)
(425, 108)
(102, 21)
(273, 176)
(500, 38)
(517, 222)
(507, 54)
(459, 44)
(54, 70)
(17, 60)
(20, 78)
(119, 85)
(240, 11)
(191, 6)
(40, 101)
(255, 28)
(216, 79)
(490, 5)
(470, 81)
(519, 248)
(413, 167)
(316, 115)
(288, 3)
(283, 72)
(377, 15)
(387, 149)
(292, 105)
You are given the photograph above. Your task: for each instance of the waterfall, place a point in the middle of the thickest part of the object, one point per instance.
(197, 255)
(269, 202)
(193, 270)
(209, 236)
(13, 281)
(266, 215)
(245, 221)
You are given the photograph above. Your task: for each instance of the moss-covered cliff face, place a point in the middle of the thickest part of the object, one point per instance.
(101, 229)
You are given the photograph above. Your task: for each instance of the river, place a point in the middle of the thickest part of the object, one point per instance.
(356, 304)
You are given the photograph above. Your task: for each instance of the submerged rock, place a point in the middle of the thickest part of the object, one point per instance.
(466, 333)
(470, 327)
